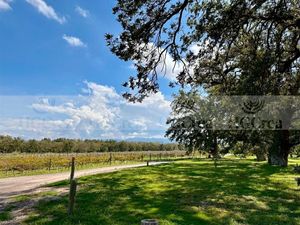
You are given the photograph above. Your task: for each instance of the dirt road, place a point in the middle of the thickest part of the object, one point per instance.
(12, 186)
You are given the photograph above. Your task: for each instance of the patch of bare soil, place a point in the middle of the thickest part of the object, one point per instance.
(20, 209)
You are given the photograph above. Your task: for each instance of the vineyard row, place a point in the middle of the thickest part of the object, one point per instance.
(54, 161)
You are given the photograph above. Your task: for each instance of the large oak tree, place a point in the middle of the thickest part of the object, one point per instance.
(243, 47)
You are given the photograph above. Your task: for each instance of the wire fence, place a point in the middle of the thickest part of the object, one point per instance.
(24, 162)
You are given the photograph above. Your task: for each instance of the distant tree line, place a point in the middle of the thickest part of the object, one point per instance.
(61, 145)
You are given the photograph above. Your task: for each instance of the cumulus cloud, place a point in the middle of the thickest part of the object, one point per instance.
(98, 108)
(82, 12)
(166, 67)
(46, 10)
(195, 48)
(99, 112)
(37, 128)
(5, 5)
(74, 41)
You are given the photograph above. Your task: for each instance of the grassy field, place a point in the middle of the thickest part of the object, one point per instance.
(185, 193)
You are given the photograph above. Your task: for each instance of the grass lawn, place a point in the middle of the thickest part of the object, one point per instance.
(185, 193)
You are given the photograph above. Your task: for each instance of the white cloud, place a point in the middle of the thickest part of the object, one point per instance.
(46, 10)
(82, 12)
(166, 67)
(169, 68)
(4, 5)
(74, 41)
(100, 112)
(37, 128)
(195, 48)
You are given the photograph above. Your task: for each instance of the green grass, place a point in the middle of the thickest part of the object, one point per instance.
(182, 193)
(5, 214)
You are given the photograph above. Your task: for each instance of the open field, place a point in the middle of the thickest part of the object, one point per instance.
(31, 164)
(190, 192)
(26, 185)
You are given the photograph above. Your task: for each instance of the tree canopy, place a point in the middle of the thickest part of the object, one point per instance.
(227, 35)
(191, 124)
(227, 47)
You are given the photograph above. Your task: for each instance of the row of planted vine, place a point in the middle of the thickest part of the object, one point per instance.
(20, 163)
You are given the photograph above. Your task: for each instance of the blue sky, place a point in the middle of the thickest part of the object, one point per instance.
(55, 66)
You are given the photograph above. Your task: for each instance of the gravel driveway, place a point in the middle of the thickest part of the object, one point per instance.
(13, 186)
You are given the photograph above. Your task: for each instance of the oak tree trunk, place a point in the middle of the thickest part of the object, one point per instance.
(260, 156)
(280, 149)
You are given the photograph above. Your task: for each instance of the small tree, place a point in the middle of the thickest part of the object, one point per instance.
(191, 124)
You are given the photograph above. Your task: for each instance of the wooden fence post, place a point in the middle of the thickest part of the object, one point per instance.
(72, 168)
(72, 194)
(50, 164)
(110, 158)
(73, 187)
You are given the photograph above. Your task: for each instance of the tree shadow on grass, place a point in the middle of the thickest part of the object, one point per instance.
(184, 193)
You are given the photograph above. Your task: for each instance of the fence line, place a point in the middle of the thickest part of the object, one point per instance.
(24, 162)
